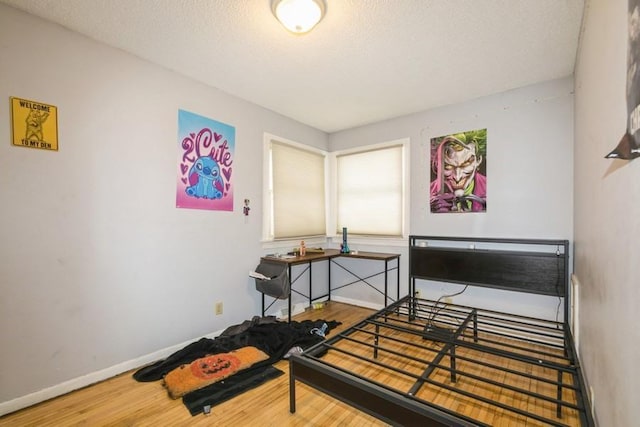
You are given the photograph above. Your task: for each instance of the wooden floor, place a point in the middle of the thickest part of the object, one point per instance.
(122, 401)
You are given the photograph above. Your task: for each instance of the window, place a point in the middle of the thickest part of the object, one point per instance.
(296, 202)
(370, 190)
(366, 191)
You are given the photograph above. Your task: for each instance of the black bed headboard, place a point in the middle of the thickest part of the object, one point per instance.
(523, 265)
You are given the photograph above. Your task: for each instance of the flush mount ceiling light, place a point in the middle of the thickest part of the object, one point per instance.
(298, 16)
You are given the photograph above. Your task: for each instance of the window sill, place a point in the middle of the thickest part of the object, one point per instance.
(370, 241)
(335, 242)
(289, 244)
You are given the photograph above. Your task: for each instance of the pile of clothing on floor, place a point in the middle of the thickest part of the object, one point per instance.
(210, 371)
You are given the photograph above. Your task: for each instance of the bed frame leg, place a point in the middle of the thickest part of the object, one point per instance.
(292, 389)
(412, 299)
(375, 342)
(475, 326)
(559, 409)
(452, 356)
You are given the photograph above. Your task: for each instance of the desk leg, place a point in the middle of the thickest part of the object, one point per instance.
(398, 283)
(386, 275)
(329, 279)
(290, 285)
(398, 280)
(310, 287)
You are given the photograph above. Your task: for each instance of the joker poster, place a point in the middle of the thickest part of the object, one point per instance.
(205, 163)
(629, 146)
(458, 172)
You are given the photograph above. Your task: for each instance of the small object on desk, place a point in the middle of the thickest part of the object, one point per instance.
(289, 255)
(303, 248)
(315, 250)
(344, 247)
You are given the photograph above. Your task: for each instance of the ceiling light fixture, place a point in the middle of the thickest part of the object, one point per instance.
(298, 16)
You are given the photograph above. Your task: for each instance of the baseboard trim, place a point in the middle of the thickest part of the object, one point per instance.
(359, 303)
(110, 372)
(283, 313)
(92, 378)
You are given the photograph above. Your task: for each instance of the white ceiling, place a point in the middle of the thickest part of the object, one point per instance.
(367, 61)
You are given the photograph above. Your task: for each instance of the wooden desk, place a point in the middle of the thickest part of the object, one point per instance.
(332, 256)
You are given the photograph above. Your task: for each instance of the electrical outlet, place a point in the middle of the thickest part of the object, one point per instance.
(448, 300)
(417, 294)
(218, 308)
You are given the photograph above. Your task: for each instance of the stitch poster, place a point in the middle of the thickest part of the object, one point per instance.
(205, 163)
(35, 125)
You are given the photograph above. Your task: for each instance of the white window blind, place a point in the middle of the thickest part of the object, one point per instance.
(298, 191)
(370, 191)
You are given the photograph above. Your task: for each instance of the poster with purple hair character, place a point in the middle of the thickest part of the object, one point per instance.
(205, 163)
(458, 172)
(629, 146)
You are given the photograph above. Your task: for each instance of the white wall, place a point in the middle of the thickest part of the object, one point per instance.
(530, 175)
(607, 224)
(97, 266)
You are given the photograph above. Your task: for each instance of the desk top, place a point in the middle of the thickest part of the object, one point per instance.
(330, 254)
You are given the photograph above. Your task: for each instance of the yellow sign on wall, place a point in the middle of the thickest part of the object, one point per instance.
(35, 125)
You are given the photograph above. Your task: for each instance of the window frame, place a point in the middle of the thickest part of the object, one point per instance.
(365, 239)
(268, 239)
(331, 191)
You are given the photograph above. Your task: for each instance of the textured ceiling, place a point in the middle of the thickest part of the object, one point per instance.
(367, 61)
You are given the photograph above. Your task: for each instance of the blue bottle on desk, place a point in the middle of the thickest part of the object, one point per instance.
(344, 247)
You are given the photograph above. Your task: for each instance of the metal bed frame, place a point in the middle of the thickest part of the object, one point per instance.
(424, 362)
